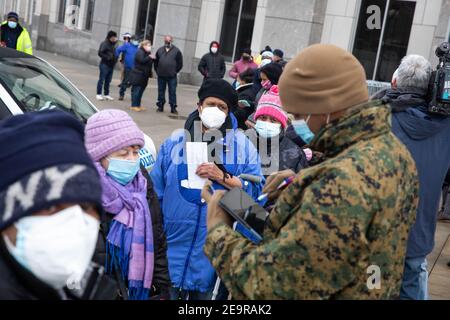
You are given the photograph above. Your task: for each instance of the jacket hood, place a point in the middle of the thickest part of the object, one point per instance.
(211, 45)
(419, 125)
(404, 98)
(409, 107)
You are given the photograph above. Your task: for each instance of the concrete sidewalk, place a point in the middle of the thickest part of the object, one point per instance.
(160, 126)
(156, 125)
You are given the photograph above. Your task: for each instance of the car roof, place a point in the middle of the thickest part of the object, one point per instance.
(11, 53)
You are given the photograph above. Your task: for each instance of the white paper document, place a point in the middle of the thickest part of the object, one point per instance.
(196, 154)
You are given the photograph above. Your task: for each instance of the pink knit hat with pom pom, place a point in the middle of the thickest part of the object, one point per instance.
(270, 105)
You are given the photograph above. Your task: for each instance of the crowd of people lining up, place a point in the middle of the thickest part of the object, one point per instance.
(365, 183)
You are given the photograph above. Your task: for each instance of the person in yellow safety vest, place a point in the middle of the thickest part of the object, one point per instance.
(14, 36)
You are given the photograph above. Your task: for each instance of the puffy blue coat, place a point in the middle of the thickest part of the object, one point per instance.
(129, 52)
(185, 214)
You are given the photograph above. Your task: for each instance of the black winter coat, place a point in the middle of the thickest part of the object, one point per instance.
(212, 66)
(142, 71)
(107, 52)
(161, 277)
(17, 283)
(168, 63)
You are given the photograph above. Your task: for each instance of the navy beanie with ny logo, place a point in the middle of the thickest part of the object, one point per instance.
(43, 162)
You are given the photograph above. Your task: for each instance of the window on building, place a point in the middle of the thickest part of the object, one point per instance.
(90, 5)
(74, 14)
(237, 27)
(448, 31)
(382, 36)
(146, 19)
(62, 11)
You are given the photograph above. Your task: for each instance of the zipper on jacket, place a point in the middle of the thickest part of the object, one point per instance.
(188, 258)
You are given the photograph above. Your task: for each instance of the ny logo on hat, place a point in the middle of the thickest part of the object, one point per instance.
(28, 193)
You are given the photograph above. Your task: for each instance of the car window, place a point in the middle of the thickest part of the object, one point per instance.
(37, 86)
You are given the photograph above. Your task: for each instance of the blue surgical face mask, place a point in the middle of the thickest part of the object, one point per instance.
(268, 130)
(134, 42)
(303, 131)
(12, 24)
(123, 171)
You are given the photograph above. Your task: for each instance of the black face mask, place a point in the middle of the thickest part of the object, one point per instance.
(168, 44)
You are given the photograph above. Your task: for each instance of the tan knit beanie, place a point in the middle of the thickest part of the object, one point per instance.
(323, 79)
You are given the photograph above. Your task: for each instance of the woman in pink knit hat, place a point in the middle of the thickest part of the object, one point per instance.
(276, 150)
(132, 244)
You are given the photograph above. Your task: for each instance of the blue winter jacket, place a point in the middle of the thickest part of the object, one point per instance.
(428, 139)
(185, 214)
(129, 51)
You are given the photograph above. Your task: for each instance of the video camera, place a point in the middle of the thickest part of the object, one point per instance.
(440, 100)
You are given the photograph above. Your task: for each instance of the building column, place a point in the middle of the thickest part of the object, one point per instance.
(290, 26)
(209, 25)
(39, 27)
(258, 30)
(129, 16)
(340, 23)
(425, 28)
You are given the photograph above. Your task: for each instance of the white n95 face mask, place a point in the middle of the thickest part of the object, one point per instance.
(213, 118)
(57, 249)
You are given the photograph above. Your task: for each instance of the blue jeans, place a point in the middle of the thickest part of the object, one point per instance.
(106, 74)
(415, 279)
(136, 95)
(124, 85)
(162, 84)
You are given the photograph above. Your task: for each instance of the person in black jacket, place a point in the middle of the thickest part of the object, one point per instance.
(278, 57)
(141, 73)
(212, 64)
(168, 63)
(133, 243)
(107, 53)
(49, 207)
(246, 96)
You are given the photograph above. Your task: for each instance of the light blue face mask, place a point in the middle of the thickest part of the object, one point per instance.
(303, 131)
(12, 24)
(268, 130)
(123, 171)
(134, 42)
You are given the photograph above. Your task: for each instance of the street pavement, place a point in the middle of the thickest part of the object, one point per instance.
(156, 125)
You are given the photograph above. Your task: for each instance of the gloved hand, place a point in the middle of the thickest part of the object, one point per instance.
(274, 181)
(216, 214)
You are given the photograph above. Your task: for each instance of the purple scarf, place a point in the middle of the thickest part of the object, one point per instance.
(130, 238)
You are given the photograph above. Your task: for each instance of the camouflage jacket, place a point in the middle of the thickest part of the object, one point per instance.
(334, 224)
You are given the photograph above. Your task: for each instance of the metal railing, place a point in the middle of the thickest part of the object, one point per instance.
(375, 86)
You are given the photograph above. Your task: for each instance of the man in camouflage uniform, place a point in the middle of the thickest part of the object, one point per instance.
(339, 218)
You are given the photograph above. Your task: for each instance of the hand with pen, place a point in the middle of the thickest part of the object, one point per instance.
(277, 183)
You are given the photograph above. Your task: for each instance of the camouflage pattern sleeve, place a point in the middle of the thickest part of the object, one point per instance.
(314, 242)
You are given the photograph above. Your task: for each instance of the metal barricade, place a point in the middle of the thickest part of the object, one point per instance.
(375, 86)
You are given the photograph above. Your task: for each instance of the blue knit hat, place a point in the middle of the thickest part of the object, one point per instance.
(13, 14)
(43, 162)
